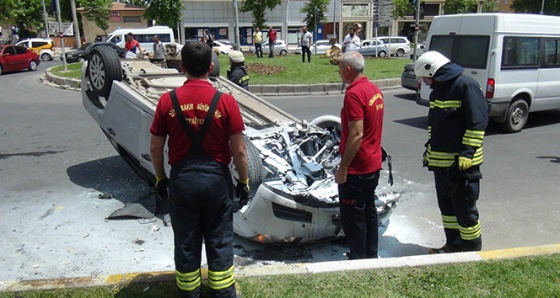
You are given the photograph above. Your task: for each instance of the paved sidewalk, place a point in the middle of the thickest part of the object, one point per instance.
(262, 90)
(282, 269)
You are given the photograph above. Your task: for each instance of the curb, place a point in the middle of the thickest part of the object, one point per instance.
(284, 269)
(263, 90)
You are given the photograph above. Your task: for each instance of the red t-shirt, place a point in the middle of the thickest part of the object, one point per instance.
(129, 45)
(195, 98)
(364, 101)
(272, 35)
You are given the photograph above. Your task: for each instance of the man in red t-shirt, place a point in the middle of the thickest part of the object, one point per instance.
(271, 41)
(132, 46)
(360, 147)
(200, 184)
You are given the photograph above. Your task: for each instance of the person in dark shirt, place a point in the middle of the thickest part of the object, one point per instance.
(238, 71)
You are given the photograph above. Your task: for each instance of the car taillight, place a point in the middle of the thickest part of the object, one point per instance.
(490, 87)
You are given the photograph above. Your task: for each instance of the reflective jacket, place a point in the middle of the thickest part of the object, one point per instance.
(238, 75)
(457, 119)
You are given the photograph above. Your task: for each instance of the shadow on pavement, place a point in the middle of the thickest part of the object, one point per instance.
(417, 122)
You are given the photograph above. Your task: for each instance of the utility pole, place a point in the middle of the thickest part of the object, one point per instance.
(316, 30)
(76, 25)
(542, 7)
(46, 20)
(61, 34)
(236, 25)
(416, 28)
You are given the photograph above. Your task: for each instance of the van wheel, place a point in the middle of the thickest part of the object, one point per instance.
(516, 117)
(400, 53)
(103, 68)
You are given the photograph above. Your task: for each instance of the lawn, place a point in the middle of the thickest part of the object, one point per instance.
(521, 277)
(289, 69)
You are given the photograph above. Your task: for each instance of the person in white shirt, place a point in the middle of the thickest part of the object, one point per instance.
(351, 41)
(159, 49)
(306, 41)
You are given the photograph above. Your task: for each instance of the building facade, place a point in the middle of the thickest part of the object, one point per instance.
(122, 16)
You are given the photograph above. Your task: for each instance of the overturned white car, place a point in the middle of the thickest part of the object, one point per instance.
(291, 162)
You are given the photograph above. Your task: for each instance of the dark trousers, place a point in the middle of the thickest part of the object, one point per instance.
(459, 212)
(271, 49)
(359, 215)
(201, 199)
(258, 50)
(305, 50)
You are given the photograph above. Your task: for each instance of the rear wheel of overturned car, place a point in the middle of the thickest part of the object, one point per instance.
(216, 70)
(103, 68)
(516, 117)
(255, 167)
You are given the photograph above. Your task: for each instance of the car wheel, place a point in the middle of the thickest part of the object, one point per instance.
(0, 69)
(103, 68)
(400, 53)
(32, 65)
(216, 70)
(254, 165)
(81, 60)
(516, 117)
(283, 52)
(46, 56)
(382, 54)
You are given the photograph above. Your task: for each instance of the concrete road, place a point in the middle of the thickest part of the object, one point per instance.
(55, 163)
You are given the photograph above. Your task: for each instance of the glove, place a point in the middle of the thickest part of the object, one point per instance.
(242, 191)
(426, 156)
(464, 163)
(162, 185)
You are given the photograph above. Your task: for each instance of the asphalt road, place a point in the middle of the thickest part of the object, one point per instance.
(55, 162)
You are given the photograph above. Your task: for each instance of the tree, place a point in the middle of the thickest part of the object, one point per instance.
(459, 6)
(257, 9)
(98, 11)
(312, 8)
(402, 8)
(26, 13)
(551, 7)
(165, 12)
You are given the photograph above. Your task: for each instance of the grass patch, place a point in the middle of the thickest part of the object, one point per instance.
(74, 70)
(295, 72)
(521, 277)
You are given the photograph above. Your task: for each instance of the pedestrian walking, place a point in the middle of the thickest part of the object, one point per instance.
(271, 34)
(360, 148)
(257, 42)
(238, 71)
(306, 40)
(456, 124)
(159, 49)
(204, 128)
(15, 34)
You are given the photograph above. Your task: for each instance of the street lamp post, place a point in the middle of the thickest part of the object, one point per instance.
(542, 7)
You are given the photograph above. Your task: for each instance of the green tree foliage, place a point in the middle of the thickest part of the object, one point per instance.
(551, 7)
(459, 6)
(98, 11)
(319, 7)
(402, 8)
(257, 9)
(26, 13)
(165, 12)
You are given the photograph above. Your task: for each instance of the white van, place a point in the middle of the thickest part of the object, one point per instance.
(144, 36)
(514, 57)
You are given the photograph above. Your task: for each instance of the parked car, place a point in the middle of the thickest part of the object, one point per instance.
(321, 45)
(373, 48)
(15, 58)
(222, 47)
(227, 42)
(43, 47)
(408, 77)
(397, 45)
(419, 51)
(83, 53)
(280, 47)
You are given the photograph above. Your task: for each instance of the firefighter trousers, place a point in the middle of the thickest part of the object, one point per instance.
(359, 215)
(459, 212)
(201, 200)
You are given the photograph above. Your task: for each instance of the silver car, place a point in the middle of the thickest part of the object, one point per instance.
(319, 47)
(373, 48)
(280, 48)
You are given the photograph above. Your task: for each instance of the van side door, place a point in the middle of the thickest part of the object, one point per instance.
(548, 94)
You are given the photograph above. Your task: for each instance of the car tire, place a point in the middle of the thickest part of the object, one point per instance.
(516, 117)
(255, 167)
(382, 54)
(283, 52)
(103, 68)
(329, 122)
(32, 65)
(400, 53)
(46, 57)
(216, 70)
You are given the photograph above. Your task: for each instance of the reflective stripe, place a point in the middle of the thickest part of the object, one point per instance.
(478, 157)
(429, 132)
(243, 79)
(218, 280)
(441, 159)
(449, 222)
(188, 281)
(473, 138)
(445, 104)
(470, 233)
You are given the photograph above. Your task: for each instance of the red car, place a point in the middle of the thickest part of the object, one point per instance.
(15, 58)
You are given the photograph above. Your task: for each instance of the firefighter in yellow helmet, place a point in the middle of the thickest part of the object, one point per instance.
(456, 124)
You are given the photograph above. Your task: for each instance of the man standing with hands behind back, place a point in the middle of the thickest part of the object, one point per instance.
(360, 148)
(306, 41)
(205, 128)
(271, 41)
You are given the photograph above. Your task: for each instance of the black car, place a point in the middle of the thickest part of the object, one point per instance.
(408, 77)
(82, 54)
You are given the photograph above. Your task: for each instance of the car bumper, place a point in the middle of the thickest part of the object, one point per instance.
(410, 83)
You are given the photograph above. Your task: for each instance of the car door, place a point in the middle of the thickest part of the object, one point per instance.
(10, 58)
(22, 57)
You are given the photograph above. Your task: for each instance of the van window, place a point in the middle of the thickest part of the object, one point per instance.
(469, 51)
(521, 52)
(149, 38)
(37, 44)
(552, 53)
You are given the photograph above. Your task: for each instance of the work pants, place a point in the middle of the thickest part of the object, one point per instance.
(459, 212)
(305, 50)
(258, 50)
(201, 200)
(359, 215)
(271, 49)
